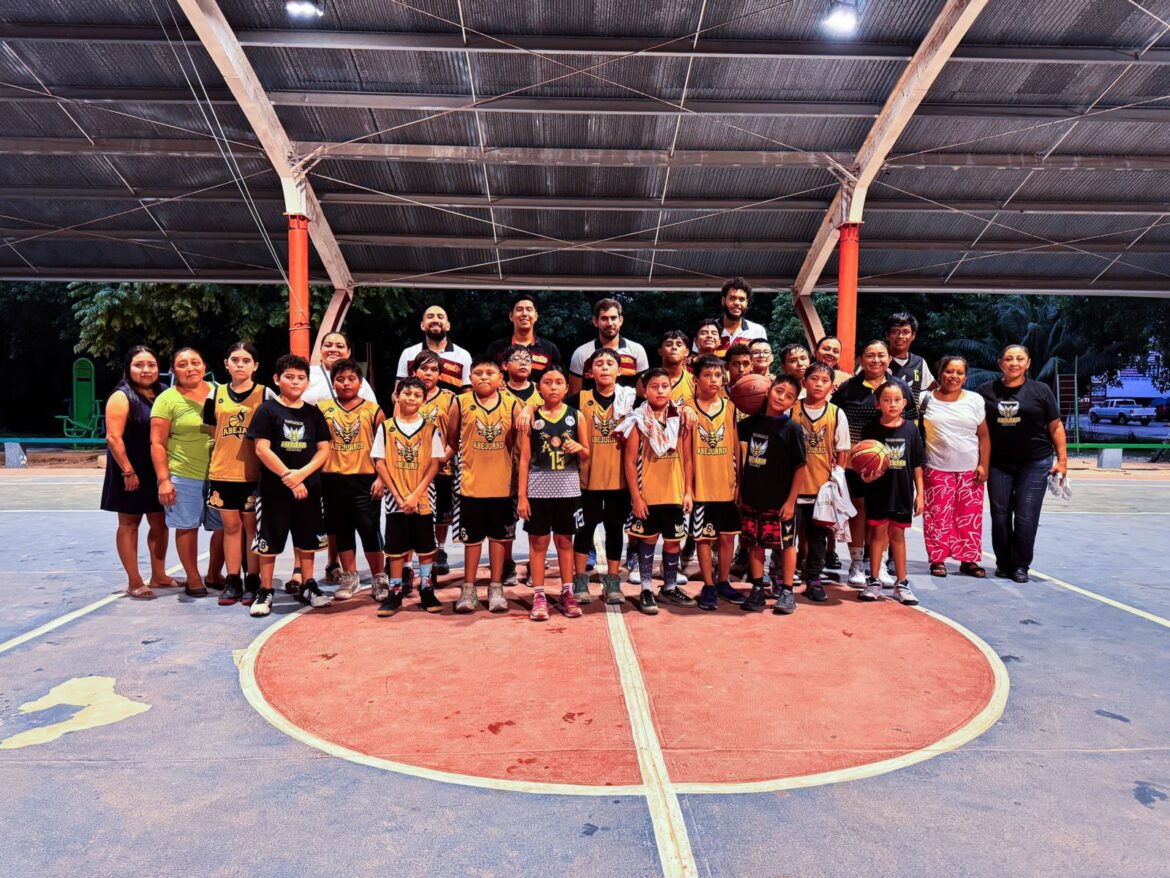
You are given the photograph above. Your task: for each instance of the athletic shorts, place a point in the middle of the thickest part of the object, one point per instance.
(562, 516)
(666, 521)
(855, 485)
(233, 496)
(349, 507)
(709, 520)
(409, 533)
(763, 527)
(443, 498)
(480, 518)
(190, 510)
(278, 514)
(878, 517)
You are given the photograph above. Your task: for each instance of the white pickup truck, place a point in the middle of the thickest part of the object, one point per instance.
(1122, 411)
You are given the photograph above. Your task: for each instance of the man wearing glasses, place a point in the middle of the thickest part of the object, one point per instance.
(761, 350)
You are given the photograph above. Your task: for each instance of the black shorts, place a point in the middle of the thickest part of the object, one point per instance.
(894, 518)
(349, 507)
(480, 518)
(763, 527)
(443, 498)
(409, 533)
(278, 513)
(710, 520)
(855, 485)
(666, 521)
(232, 496)
(562, 516)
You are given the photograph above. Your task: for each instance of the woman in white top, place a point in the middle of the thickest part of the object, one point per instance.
(334, 347)
(958, 450)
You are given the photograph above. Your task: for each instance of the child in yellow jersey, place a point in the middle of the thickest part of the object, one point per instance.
(407, 452)
(517, 371)
(605, 498)
(739, 363)
(234, 475)
(715, 517)
(482, 428)
(427, 367)
(657, 461)
(349, 485)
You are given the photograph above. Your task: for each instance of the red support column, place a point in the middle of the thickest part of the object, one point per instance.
(298, 285)
(847, 292)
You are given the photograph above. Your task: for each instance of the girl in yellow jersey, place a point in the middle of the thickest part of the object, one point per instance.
(234, 474)
(657, 461)
(349, 486)
(427, 367)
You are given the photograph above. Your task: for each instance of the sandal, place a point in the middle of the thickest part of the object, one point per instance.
(938, 569)
(141, 593)
(200, 592)
(173, 583)
(970, 568)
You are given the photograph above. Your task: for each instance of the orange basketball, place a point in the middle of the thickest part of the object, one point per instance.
(869, 459)
(750, 393)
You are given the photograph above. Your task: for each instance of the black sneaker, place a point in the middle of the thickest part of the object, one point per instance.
(785, 603)
(677, 596)
(816, 592)
(708, 598)
(729, 593)
(428, 600)
(1020, 574)
(391, 605)
(312, 595)
(262, 606)
(251, 589)
(755, 602)
(647, 604)
(293, 586)
(407, 581)
(832, 561)
(441, 566)
(233, 590)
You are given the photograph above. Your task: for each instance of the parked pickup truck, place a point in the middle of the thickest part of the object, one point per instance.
(1122, 411)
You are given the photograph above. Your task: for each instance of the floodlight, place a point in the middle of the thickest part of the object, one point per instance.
(842, 17)
(305, 8)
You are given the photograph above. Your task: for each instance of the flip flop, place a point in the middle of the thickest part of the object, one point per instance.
(141, 593)
(200, 592)
(174, 583)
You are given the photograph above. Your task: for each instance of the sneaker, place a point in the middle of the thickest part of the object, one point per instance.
(871, 592)
(510, 577)
(613, 589)
(739, 562)
(233, 590)
(251, 589)
(348, 583)
(442, 566)
(856, 574)
(391, 605)
(293, 586)
(539, 608)
(497, 603)
(569, 605)
(903, 594)
(429, 601)
(333, 572)
(581, 588)
(380, 587)
(676, 596)
(832, 561)
(729, 593)
(815, 592)
(635, 576)
(708, 598)
(468, 599)
(646, 603)
(407, 581)
(312, 595)
(681, 578)
(755, 601)
(785, 603)
(885, 577)
(262, 605)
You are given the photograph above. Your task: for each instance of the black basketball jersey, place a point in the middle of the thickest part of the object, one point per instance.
(552, 471)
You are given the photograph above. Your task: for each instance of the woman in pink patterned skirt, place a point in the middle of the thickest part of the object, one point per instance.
(958, 450)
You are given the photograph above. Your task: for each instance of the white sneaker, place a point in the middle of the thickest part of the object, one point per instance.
(857, 574)
(635, 576)
(903, 594)
(884, 577)
(380, 587)
(871, 592)
(348, 584)
(262, 606)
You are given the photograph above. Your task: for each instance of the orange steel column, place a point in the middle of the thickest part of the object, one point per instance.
(847, 293)
(298, 285)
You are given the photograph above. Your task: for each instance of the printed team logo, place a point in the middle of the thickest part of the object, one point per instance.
(713, 439)
(680, 531)
(490, 433)
(757, 448)
(322, 541)
(407, 454)
(294, 437)
(814, 440)
(431, 415)
(636, 526)
(261, 545)
(603, 427)
(708, 531)
(510, 531)
(346, 433)
(897, 450)
(235, 425)
(1009, 411)
(215, 501)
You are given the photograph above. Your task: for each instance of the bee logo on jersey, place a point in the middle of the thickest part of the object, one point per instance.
(712, 440)
(1009, 412)
(491, 434)
(897, 450)
(235, 425)
(814, 440)
(757, 448)
(604, 428)
(294, 436)
(346, 435)
(407, 455)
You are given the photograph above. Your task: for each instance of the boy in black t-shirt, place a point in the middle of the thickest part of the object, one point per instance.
(771, 454)
(292, 442)
(893, 499)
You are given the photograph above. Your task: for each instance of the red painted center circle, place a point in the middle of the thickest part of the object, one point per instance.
(735, 697)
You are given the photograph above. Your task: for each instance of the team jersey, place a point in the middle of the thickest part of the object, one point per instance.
(351, 436)
(485, 455)
(436, 410)
(660, 479)
(603, 470)
(529, 396)
(820, 445)
(713, 445)
(233, 458)
(682, 392)
(552, 471)
(408, 450)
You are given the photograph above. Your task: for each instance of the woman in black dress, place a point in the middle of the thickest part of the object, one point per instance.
(130, 489)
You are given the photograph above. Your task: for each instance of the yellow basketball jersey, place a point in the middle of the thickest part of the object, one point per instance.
(820, 447)
(407, 458)
(233, 457)
(533, 401)
(436, 410)
(661, 478)
(603, 471)
(351, 436)
(713, 442)
(485, 459)
(683, 390)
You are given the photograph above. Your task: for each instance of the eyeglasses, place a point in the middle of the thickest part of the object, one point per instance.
(761, 355)
(520, 358)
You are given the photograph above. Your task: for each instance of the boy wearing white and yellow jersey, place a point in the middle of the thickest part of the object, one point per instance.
(436, 408)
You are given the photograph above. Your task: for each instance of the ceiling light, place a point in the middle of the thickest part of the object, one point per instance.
(305, 8)
(842, 17)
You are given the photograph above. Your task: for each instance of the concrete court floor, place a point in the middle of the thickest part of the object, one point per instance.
(1074, 778)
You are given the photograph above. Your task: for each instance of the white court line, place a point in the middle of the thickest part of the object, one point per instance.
(670, 829)
(76, 614)
(1089, 512)
(54, 511)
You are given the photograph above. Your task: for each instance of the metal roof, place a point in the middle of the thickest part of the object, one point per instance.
(610, 147)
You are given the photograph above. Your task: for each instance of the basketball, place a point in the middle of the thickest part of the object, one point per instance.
(750, 393)
(869, 459)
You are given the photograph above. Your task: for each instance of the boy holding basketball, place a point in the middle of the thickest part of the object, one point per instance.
(895, 497)
(771, 464)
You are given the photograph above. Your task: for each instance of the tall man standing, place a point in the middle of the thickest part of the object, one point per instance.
(455, 370)
(901, 331)
(632, 361)
(523, 315)
(735, 295)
